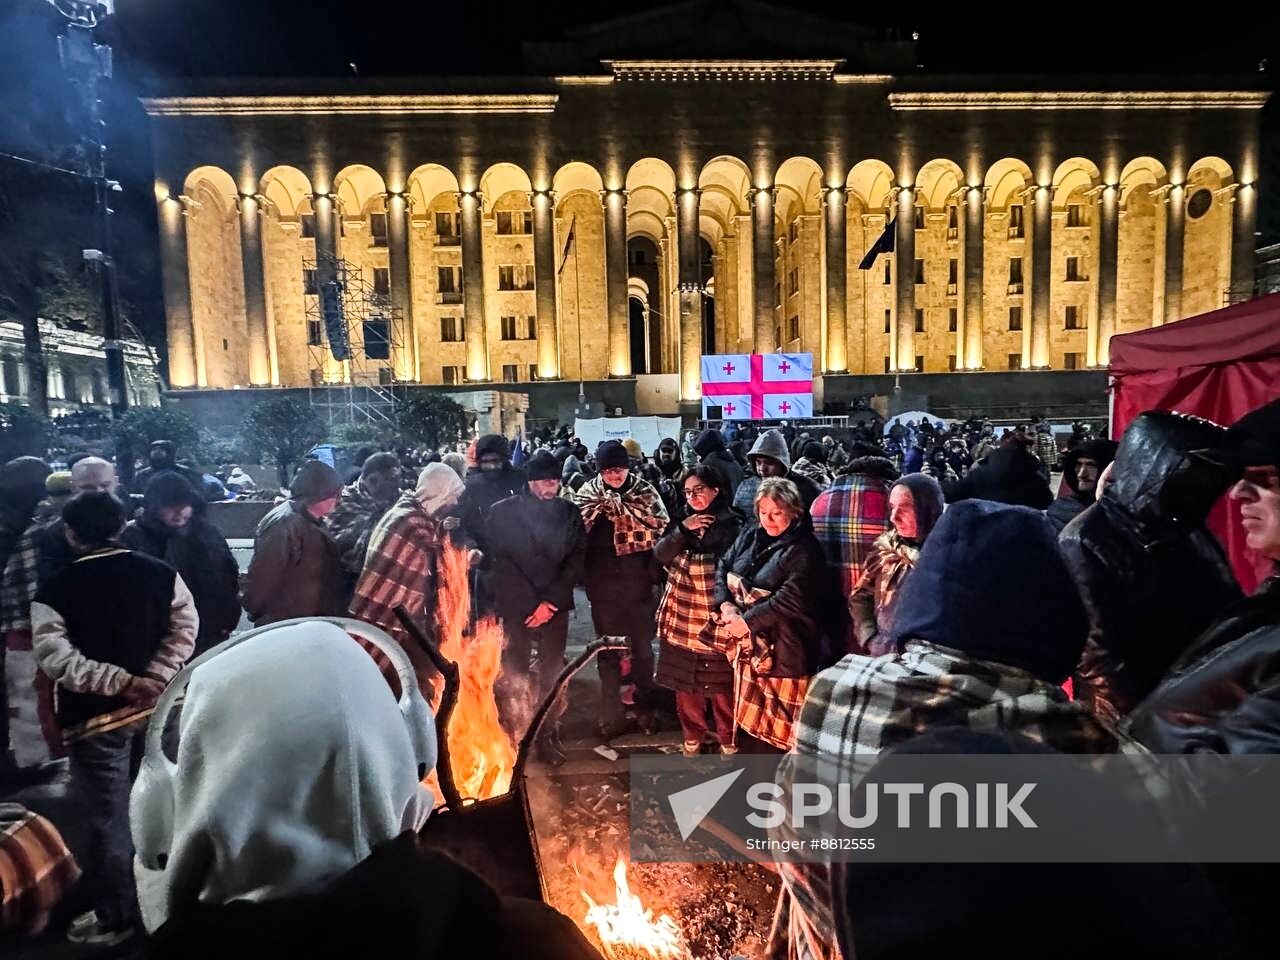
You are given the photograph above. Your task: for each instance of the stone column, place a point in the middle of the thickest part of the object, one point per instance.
(615, 259)
(905, 268)
(175, 275)
(834, 200)
(762, 254)
(974, 237)
(1041, 274)
(1108, 267)
(405, 335)
(1174, 223)
(687, 209)
(1244, 215)
(470, 203)
(544, 271)
(255, 290)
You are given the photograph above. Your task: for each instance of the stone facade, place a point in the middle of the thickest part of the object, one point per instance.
(500, 222)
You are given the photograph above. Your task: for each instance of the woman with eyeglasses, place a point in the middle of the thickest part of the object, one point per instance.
(698, 672)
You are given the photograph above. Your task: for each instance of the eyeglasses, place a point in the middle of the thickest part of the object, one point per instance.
(698, 491)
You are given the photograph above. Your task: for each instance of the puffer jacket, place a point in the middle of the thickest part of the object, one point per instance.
(794, 619)
(1223, 695)
(1152, 575)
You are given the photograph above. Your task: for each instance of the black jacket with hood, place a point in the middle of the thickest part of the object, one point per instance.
(1152, 575)
(1065, 509)
(711, 450)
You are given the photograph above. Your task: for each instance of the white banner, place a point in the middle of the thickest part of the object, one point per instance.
(647, 431)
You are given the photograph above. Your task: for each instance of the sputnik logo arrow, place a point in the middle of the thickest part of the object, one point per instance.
(692, 804)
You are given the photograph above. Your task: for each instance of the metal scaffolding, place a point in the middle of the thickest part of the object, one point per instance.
(359, 388)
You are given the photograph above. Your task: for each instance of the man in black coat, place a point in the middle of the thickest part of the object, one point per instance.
(173, 528)
(493, 479)
(1081, 467)
(536, 543)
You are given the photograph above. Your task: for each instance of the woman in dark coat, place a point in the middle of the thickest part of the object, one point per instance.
(774, 598)
(173, 528)
(698, 672)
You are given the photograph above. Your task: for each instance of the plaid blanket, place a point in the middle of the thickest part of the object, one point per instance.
(847, 519)
(400, 569)
(883, 575)
(352, 523)
(865, 705)
(819, 473)
(36, 870)
(687, 601)
(19, 583)
(635, 509)
(765, 707)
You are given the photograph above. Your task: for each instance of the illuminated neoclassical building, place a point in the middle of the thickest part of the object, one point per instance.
(616, 211)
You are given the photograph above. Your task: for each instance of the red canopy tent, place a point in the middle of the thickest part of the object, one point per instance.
(1218, 365)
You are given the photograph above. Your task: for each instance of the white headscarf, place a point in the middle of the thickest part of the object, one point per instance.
(439, 488)
(294, 762)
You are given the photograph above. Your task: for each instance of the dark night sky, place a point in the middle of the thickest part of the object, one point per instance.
(163, 40)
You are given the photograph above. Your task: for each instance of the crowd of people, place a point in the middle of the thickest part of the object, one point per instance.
(829, 592)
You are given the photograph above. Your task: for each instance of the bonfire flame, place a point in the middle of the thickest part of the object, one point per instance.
(628, 929)
(481, 753)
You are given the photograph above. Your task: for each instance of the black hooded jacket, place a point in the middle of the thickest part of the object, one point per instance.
(1152, 575)
(711, 450)
(1065, 509)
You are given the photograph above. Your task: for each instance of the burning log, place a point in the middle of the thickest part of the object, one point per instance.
(628, 930)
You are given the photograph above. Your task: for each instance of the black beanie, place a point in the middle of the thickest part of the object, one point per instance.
(611, 454)
(815, 451)
(492, 443)
(542, 466)
(170, 489)
(992, 583)
(314, 481)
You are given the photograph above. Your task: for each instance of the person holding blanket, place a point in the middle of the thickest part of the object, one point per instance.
(699, 672)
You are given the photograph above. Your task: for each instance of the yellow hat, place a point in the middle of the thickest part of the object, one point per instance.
(633, 448)
(58, 483)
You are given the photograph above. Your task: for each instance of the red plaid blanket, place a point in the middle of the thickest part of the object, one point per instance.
(399, 569)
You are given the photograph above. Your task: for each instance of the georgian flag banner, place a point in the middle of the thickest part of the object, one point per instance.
(755, 386)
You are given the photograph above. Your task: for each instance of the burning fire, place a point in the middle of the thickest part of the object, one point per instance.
(628, 929)
(482, 754)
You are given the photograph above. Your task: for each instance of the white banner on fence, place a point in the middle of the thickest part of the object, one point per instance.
(649, 431)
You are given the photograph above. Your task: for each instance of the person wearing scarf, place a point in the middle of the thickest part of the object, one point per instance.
(401, 566)
(915, 504)
(699, 672)
(624, 517)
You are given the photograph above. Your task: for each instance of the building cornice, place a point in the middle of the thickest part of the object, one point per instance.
(237, 106)
(694, 70)
(1083, 100)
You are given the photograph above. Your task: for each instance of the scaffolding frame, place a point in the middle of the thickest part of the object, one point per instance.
(362, 389)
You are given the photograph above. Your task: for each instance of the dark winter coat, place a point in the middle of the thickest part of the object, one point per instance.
(1009, 475)
(295, 571)
(404, 901)
(1065, 509)
(536, 550)
(202, 558)
(1152, 575)
(794, 619)
(713, 452)
(484, 489)
(688, 601)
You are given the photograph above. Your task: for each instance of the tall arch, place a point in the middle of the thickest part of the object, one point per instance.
(870, 293)
(940, 245)
(798, 264)
(1074, 305)
(1141, 262)
(1006, 259)
(651, 215)
(216, 273)
(726, 225)
(511, 304)
(582, 295)
(435, 270)
(1209, 200)
(288, 239)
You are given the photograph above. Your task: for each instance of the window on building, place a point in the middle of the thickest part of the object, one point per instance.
(382, 281)
(953, 222)
(951, 363)
(449, 284)
(1075, 215)
(531, 328)
(793, 328)
(510, 372)
(919, 363)
(1015, 361)
(53, 383)
(309, 282)
(1015, 274)
(1073, 269)
(793, 282)
(506, 277)
(378, 229)
(1072, 318)
(1072, 361)
(919, 270)
(307, 223)
(451, 375)
(98, 387)
(1016, 231)
(886, 364)
(919, 218)
(446, 228)
(533, 372)
(451, 330)
(793, 231)
(1015, 318)
(315, 335)
(953, 276)
(508, 328)
(514, 222)
(953, 319)
(919, 319)
(12, 381)
(888, 271)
